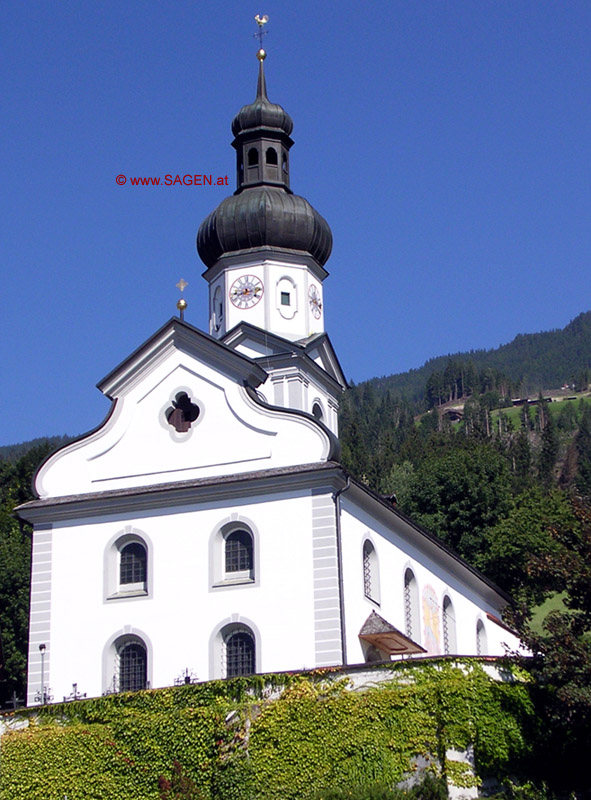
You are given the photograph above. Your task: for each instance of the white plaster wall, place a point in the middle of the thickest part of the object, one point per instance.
(182, 610)
(138, 447)
(395, 554)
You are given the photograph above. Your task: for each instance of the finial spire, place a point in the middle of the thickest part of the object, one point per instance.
(261, 83)
(182, 303)
(261, 21)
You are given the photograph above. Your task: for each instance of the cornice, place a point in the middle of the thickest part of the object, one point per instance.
(182, 493)
(257, 256)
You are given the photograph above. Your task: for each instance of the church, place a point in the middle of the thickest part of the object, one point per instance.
(206, 528)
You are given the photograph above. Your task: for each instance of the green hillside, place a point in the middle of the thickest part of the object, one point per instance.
(534, 361)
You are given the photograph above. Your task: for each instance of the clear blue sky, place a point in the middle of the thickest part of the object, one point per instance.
(447, 143)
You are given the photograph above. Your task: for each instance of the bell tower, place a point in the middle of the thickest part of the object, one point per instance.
(265, 247)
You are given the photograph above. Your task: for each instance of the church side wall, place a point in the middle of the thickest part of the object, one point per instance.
(181, 618)
(454, 631)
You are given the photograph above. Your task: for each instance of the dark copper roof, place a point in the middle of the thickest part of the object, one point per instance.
(263, 212)
(262, 113)
(264, 216)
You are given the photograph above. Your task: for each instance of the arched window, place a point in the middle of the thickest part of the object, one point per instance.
(239, 551)
(371, 572)
(132, 667)
(450, 644)
(234, 553)
(234, 648)
(253, 157)
(218, 309)
(240, 654)
(271, 155)
(317, 411)
(412, 618)
(132, 565)
(481, 639)
(127, 567)
(284, 163)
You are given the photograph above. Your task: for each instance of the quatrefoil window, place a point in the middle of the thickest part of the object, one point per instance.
(182, 413)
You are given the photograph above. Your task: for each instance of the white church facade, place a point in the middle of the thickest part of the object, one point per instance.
(206, 527)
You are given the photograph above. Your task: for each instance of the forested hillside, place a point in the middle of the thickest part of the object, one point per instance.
(532, 361)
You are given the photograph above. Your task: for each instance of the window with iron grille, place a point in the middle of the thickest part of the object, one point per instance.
(240, 654)
(411, 606)
(238, 551)
(481, 641)
(445, 630)
(449, 627)
(407, 609)
(133, 563)
(132, 668)
(367, 552)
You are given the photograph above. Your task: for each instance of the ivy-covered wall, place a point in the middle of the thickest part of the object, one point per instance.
(272, 737)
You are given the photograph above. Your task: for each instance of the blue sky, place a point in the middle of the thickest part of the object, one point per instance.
(445, 141)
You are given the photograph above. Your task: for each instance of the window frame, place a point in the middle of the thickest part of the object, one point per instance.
(411, 605)
(113, 588)
(219, 577)
(449, 625)
(111, 665)
(218, 640)
(481, 638)
(245, 635)
(140, 647)
(370, 565)
(246, 572)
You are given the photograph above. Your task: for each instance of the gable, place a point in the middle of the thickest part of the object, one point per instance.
(266, 348)
(148, 439)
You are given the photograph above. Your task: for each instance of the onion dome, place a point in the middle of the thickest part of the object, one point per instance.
(265, 216)
(262, 113)
(263, 212)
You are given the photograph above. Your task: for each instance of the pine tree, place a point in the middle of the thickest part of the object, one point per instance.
(583, 447)
(549, 451)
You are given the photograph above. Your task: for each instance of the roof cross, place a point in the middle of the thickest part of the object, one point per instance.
(182, 303)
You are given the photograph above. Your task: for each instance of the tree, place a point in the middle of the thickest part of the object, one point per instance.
(549, 451)
(583, 451)
(460, 494)
(399, 481)
(561, 663)
(525, 531)
(519, 453)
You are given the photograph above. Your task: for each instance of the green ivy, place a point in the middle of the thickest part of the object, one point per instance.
(278, 737)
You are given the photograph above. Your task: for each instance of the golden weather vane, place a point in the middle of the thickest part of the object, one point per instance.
(261, 21)
(182, 303)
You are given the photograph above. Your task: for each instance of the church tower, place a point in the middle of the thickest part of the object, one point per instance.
(265, 247)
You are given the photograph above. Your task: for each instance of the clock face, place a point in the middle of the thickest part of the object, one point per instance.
(315, 301)
(246, 291)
